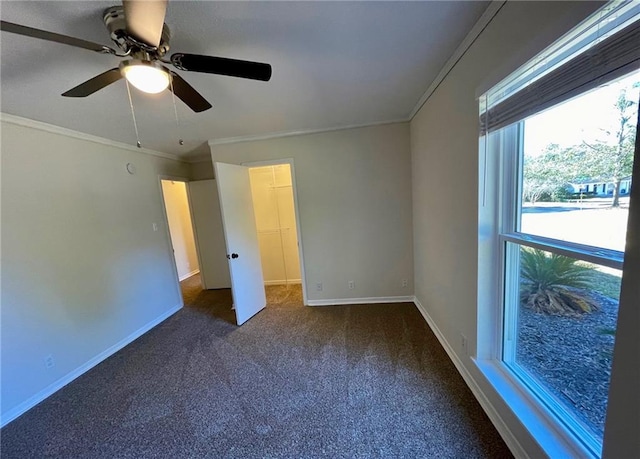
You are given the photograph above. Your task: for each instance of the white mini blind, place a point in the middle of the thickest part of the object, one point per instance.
(604, 61)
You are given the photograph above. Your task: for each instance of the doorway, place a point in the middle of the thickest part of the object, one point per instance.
(272, 189)
(241, 237)
(196, 240)
(180, 224)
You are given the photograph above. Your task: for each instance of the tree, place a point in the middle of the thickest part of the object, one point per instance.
(612, 157)
(608, 158)
(550, 172)
(539, 177)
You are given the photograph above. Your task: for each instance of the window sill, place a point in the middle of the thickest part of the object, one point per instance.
(552, 437)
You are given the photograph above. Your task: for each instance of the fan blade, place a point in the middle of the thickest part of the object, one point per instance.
(145, 19)
(94, 84)
(187, 94)
(222, 66)
(50, 36)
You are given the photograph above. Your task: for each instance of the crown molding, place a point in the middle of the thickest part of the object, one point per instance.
(278, 135)
(484, 20)
(474, 33)
(201, 158)
(26, 122)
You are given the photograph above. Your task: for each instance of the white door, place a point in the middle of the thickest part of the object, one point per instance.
(207, 223)
(241, 236)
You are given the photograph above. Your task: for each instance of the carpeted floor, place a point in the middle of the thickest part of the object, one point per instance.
(366, 381)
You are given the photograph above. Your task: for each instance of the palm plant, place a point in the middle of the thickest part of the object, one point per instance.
(554, 284)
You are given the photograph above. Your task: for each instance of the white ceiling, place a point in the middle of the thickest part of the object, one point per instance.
(334, 64)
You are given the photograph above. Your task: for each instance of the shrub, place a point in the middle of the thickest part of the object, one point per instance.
(554, 284)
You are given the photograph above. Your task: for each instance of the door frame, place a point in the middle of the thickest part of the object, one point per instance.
(289, 161)
(184, 180)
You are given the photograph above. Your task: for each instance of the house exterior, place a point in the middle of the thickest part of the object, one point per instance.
(600, 187)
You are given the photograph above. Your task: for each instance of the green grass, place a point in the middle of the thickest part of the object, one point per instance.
(606, 284)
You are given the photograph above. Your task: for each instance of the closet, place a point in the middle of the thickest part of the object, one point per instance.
(272, 192)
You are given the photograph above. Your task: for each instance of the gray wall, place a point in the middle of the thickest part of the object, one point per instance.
(82, 269)
(201, 170)
(444, 151)
(354, 192)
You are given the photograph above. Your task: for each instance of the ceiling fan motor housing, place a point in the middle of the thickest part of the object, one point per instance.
(114, 20)
(139, 32)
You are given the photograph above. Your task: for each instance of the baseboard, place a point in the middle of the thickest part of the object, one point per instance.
(503, 429)
(60, 383)
(283, 282)
(188, 275)
(371, 300)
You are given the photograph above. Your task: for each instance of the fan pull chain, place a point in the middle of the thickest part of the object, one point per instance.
(133, 115)
(175, 111)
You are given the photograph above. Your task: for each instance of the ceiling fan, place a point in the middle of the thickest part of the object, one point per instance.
(138, 29)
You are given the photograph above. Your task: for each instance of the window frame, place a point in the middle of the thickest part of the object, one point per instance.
(507, 173)
(497, 225)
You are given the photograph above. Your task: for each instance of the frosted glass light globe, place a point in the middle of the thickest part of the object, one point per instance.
(147, 76)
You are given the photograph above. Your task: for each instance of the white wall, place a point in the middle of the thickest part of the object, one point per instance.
(82, 269)
(180, 226)
(444, 151)
(272, 193)
(354, 200)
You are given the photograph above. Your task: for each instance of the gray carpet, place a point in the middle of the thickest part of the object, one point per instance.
(294, 382)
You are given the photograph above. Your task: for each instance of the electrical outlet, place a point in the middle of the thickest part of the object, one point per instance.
(49, 362)
(319, 286)
(463, 344)
(405, 282)
(351, 285)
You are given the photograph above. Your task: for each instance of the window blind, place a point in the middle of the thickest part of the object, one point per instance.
(605, 61)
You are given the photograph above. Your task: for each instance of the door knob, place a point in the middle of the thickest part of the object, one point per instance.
(234, 255)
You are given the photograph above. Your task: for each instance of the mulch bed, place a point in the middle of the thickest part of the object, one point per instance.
(572, 355)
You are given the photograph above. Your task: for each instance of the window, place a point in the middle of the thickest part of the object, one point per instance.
(558, 138)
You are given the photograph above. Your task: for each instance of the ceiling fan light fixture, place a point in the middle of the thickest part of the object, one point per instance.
(147, 76)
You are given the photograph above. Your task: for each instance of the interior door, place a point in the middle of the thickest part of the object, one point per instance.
(207, 223)
(241, 236)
